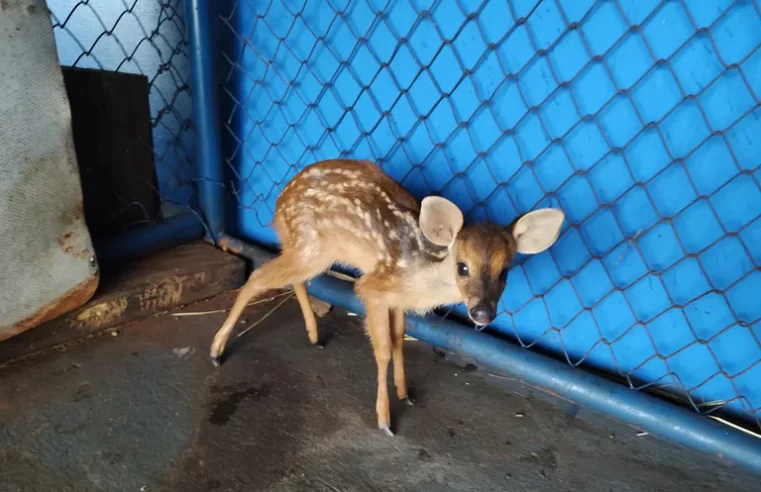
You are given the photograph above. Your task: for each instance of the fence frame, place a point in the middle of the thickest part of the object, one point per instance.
(641, 410)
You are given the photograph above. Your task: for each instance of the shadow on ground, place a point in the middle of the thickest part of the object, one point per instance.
(144, 410)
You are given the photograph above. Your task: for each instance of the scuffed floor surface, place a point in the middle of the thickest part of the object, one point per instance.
(145, 411)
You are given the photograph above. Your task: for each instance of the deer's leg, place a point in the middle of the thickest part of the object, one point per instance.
(299, 288)
(380, 335)
(397, 341)
(286, 269)
(306, 309)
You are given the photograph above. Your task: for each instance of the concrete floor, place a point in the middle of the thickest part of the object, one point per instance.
(145, 411)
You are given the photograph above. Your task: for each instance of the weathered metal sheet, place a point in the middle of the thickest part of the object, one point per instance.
(47, 262)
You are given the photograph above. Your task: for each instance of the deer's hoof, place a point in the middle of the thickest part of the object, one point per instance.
(387, 431)
(409, 401)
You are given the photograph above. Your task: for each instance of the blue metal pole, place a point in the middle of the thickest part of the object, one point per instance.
(641, 410)
(208, 155)
(141, 242)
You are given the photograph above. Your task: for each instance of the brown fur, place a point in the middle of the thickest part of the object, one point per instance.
(351, 212)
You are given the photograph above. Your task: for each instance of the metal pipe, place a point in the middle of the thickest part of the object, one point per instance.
(255, 254)
(208, 156)
(641, 410)
(141, 242)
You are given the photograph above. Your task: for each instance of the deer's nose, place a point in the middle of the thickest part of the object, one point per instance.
(482, 314)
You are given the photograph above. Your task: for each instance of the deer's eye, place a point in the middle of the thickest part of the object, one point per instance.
(462, 270)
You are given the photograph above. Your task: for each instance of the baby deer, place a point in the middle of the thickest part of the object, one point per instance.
(414, 257)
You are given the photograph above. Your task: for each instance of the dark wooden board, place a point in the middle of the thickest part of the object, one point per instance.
(152, 285)
(111, 123)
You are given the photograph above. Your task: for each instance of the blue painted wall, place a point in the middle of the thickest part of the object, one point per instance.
(639, 118)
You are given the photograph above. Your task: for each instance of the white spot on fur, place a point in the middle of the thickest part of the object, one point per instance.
(344, 224)
(441, 254)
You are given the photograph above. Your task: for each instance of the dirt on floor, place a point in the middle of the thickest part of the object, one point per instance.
(142, 409)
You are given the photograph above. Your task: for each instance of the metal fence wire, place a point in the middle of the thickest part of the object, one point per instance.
(639, 118)
(145, 37)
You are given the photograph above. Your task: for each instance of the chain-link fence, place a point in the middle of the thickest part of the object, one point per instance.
(143, 37)
(639, 118)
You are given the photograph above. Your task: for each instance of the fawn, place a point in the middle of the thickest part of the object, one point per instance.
(413, 257)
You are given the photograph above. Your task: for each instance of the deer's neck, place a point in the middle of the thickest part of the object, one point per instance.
(430, 284)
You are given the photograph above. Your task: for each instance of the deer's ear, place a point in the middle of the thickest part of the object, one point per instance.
(440, 220)
(536, 231)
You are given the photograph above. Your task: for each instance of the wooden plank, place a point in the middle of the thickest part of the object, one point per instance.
(111, 123)
(152, 285)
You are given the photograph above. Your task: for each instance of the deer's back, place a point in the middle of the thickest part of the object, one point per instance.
(351, 210)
